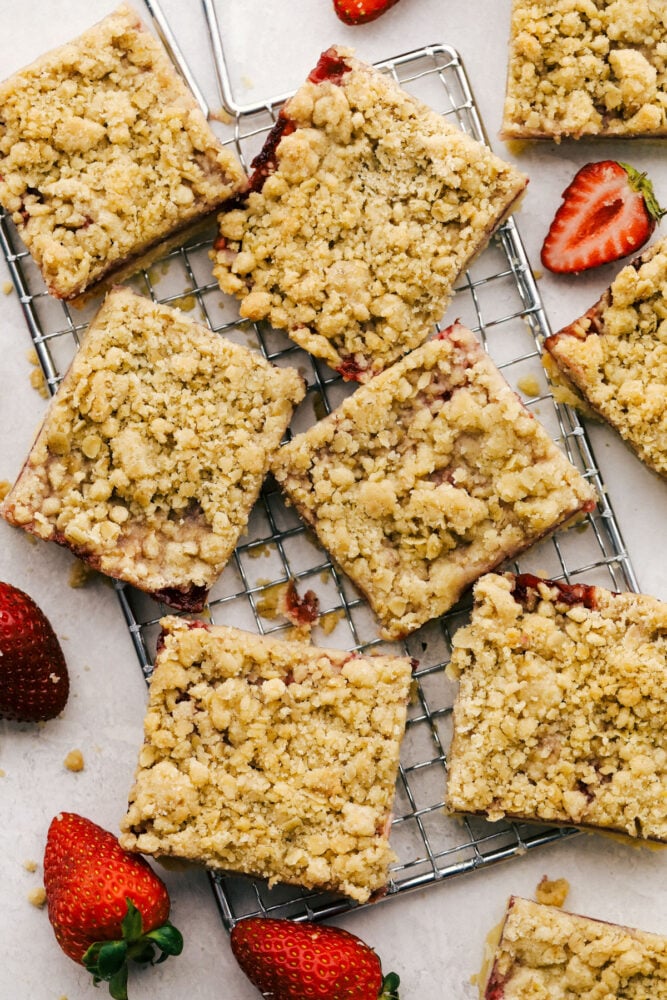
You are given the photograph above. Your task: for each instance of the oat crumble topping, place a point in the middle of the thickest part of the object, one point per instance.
(615, 355)
(427, 477)
(586, 67)
(360, 220)
(104, 154)
(546, 954)
(561, 710)
(154, 449)
(552, 892)
(270, 758)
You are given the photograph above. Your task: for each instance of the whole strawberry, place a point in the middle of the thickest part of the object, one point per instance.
(608, 211)
(301, 961)
(34, 683)
(106, 906)
(361, 11)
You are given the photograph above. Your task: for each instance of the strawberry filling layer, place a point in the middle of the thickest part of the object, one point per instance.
(525, 592)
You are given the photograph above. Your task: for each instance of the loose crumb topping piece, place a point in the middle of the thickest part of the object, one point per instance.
(586, 67)
(544, 954)
(154, 449)
(270, 758)
(615, 355)
(104, 154)
(427, 477)
(365, 205)
(561, 709)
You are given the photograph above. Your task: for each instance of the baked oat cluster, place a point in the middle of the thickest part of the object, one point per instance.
(561, 709)
(544, 954)
(270, 758)
(615, 356)
(154, 449)
(364, 208)
(586, 67)
(427, 477)
(104, 154)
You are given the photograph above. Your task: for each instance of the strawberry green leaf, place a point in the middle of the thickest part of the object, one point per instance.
(389, 990)
(132, 923)
(118, 984)
(168, 939)
(111, 958)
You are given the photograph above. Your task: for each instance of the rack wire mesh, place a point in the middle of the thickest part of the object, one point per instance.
(499, 300)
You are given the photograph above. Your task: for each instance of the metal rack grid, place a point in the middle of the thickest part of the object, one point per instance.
(499, 300)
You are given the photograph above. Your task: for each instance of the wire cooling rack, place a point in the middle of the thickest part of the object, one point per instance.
(499, 300)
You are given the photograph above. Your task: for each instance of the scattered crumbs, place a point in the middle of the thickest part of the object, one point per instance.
(259, 550)
(324, 576)
(529, 385)
(30, 865)
(37, 896)
(74, 761)
(186, 303)
(413, 696)
(7, 287)
(552, 892)
(79, 574)
(329, 620)
(5, 487)
(37, 380)
(538, 275)
(3, 773)
(298, 633)
(221, 115)
(270, 600)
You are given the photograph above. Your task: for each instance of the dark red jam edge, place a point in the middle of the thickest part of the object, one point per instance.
(301, 610)
(329, 67)
(525, 587)
(351, 370)
(192, 599)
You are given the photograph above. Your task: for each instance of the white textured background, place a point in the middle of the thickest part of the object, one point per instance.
(433, 938)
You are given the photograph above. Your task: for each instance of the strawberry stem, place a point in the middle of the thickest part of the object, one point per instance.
(640, 183)
(389, 988)
(108, 960)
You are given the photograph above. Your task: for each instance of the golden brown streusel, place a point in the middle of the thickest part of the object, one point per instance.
(104, 154)
(544, 952)
(586, 67)
(271, 758)
(37, 896)
(376, 204)
(154, 449)
(561, 710)
(615, 355)
(74, 761)
(552, 892)
(427, 477)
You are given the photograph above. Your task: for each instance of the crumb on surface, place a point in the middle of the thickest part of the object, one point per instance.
(5, 487)
(37, 896)
(7, 287)
(74, 761)
(552, 892)
(30, 865)
(529, 385)
(79, 574)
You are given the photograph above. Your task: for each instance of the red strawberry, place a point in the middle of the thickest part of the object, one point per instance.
(34, 683)
(290, 961)
(105, 905)
(608, 211)
(361, 11)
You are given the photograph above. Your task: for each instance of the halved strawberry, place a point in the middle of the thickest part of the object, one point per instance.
(608, 211)
(361, 11)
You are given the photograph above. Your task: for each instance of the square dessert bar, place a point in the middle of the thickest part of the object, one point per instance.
(104, 155)
(562, 707)
(154, 449)
(615, 356)
(270, 758)
(545, 953)
(364, 207)
(586, 68)
(427, 477)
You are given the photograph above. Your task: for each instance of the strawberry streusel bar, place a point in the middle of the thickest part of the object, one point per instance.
(364, 207)
(105, 155)
(427, 477)
(544, 952)
(154, 449)
(615, 356)
(270, 758)
(562, 707)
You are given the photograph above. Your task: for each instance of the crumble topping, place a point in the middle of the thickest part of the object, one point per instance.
(270, 758)
(545, 953)
(365, 206)
(561, 708)
(586, 67)
(427, 477)
(615, 355)
(74, 761)
(154, 449)
(552, 892)
(104, 153)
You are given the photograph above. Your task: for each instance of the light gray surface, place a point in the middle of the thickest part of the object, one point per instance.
(433, 938)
